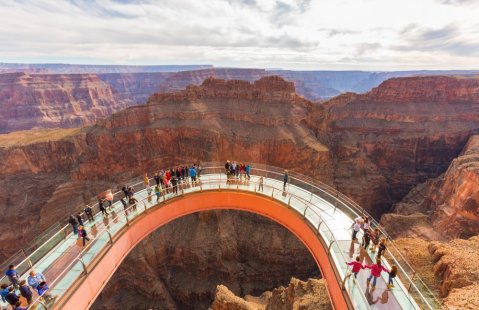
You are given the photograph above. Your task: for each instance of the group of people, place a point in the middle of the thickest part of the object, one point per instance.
(371, 241)
(237, 170)
(35, 282)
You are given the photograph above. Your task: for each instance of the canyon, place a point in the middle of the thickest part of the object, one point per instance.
(408, 146)
(46, 96)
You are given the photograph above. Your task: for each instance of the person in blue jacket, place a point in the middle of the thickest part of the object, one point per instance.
(13, 275)
(248, 169)
(4, 291)
(192, 172)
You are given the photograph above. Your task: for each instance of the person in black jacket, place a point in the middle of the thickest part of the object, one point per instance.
(74, 224)
(25, 291)
(89, 213)
(11, 297)
(79, 219)
(157, 179)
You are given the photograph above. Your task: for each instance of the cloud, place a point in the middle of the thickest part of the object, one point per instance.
(294, 34)
(456, 2)
(448, 39)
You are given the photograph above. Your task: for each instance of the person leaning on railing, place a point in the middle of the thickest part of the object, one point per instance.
(13, 275)
(35, 278)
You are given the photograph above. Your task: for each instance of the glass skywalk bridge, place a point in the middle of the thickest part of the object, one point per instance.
(322, 210)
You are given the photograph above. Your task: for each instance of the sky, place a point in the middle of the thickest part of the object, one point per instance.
(288, 34)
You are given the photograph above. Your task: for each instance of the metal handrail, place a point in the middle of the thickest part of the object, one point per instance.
(214, 181)
(355, 208)
(221, 170)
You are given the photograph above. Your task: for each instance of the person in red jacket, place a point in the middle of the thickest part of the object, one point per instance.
(357, 266)
(375, 272)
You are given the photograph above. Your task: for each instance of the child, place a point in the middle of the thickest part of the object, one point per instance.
(260, 187)
(392, 274)
(366, 239)
(357, 266)
(382, 248)
(375, 239)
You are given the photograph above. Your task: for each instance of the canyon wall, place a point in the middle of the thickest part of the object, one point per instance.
(46, 101)
(261, 122)
(180, 265)
(399, 134)
(444, 207)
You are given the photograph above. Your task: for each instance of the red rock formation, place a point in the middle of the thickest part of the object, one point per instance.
(261, 122)
(388, 142)
(39, 101)
(445, 207)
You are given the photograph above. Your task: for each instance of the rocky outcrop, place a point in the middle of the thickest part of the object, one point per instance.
(180, 265)
(297, 295)
(45, 101)
(456, 265)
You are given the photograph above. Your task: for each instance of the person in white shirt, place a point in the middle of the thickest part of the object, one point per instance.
(356, 228)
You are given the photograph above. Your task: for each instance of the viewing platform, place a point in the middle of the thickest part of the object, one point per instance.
(318, 215)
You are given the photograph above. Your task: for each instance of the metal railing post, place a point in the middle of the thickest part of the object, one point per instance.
(343, 285)
(43, 304)
(289, 200)
(146, 209)
(319, 224)
(109, 235)
(329, 247)
(304, 213)
(84, 266)
(272, 193)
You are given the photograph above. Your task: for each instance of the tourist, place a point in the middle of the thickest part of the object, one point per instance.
(74, 224)
(366, 239)
(248, 170)
(89, 213)
(157, 179)
(79, 218)
(130, 191)
(375, 273)
(260, 187)
(42, 290)
(13, 275)
(146, 180)
(357, 266)
(18, 306)
(382, 248)
(132, 202)
(392, 274)
(366, 224)
(84, 235)
(285, 179)
(148, 192)
(12, 298)
(4, 291)
(109, 198)
(375, 235)
(35, 278)
(125, 207)
(237, 169)
(25, 291)
(124, 189)
(192, 172)
(356, 227)
(102, 207)
(174, 183)
(157, 192)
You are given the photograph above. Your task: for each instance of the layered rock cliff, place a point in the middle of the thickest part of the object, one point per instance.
(444, 207)
(261, 122)
(46, 101)
(180, 265)
(400, 134)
